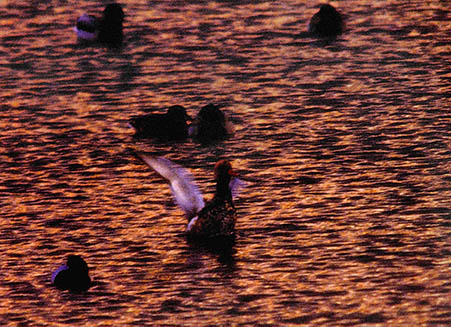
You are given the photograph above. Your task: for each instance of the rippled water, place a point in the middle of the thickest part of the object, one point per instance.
(346, 222)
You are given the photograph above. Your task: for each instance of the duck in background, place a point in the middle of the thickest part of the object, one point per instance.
(169, 126)
(210, 125)
(72, 276)
(107, 29)
(214, 220)
(327, 22)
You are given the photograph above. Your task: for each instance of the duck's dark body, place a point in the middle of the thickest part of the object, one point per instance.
(72, 281)
(209, 124)
(327, 22)
(216, 219)
(110, 27)
(169, 126)
(73, 276)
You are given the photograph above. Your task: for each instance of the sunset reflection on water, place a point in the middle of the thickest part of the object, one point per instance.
(346, 146)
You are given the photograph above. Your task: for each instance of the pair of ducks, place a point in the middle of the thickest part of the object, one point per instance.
(213, 220)
(209, 125)
(327, 22)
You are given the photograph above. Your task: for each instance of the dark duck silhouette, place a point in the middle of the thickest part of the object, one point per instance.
(327, 22)
(107, 29)
(206, 221)
(210, 125)
(73, 276)
(169, 126)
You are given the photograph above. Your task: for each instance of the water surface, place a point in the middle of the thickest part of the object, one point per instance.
(346, 222)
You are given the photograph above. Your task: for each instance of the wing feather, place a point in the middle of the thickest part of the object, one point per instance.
(184, 189)
(236, 185)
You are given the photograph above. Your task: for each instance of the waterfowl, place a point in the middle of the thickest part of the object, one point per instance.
(214, 219)
(107, 29)
(169, 126)
(72, 276)
(210, 124)
(327, 22)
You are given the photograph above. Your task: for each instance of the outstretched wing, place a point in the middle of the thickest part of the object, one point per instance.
(236, 185)
(185, 191)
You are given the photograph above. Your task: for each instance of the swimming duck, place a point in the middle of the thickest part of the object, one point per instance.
(210, 124)
(327, 22)
(108, 29)
(169, 126)
(72, 276)
(206, 221)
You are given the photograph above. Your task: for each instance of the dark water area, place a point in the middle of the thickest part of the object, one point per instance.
(346, 221)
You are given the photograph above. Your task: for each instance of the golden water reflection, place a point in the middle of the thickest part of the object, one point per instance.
(347, 145)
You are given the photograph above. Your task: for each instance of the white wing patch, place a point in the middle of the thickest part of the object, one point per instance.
(236, 185)
(185, 191)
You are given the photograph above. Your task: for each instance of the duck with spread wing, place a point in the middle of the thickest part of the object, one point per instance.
(206, 221)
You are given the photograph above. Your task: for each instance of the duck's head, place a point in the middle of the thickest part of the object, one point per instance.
(114, 13)
(328, 13)
(326, 10)
(76, 262)
(224, 171)
(178, 113)
(211, 114)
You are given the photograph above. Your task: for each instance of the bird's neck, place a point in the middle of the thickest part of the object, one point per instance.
(223, 190)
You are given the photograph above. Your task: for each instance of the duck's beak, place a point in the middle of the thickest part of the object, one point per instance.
(233, 173)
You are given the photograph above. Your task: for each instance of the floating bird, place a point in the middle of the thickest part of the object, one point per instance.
(72, 276)
(107, 29)
(210, 125)
(206, 221)
(327, 22)
(169, 126)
